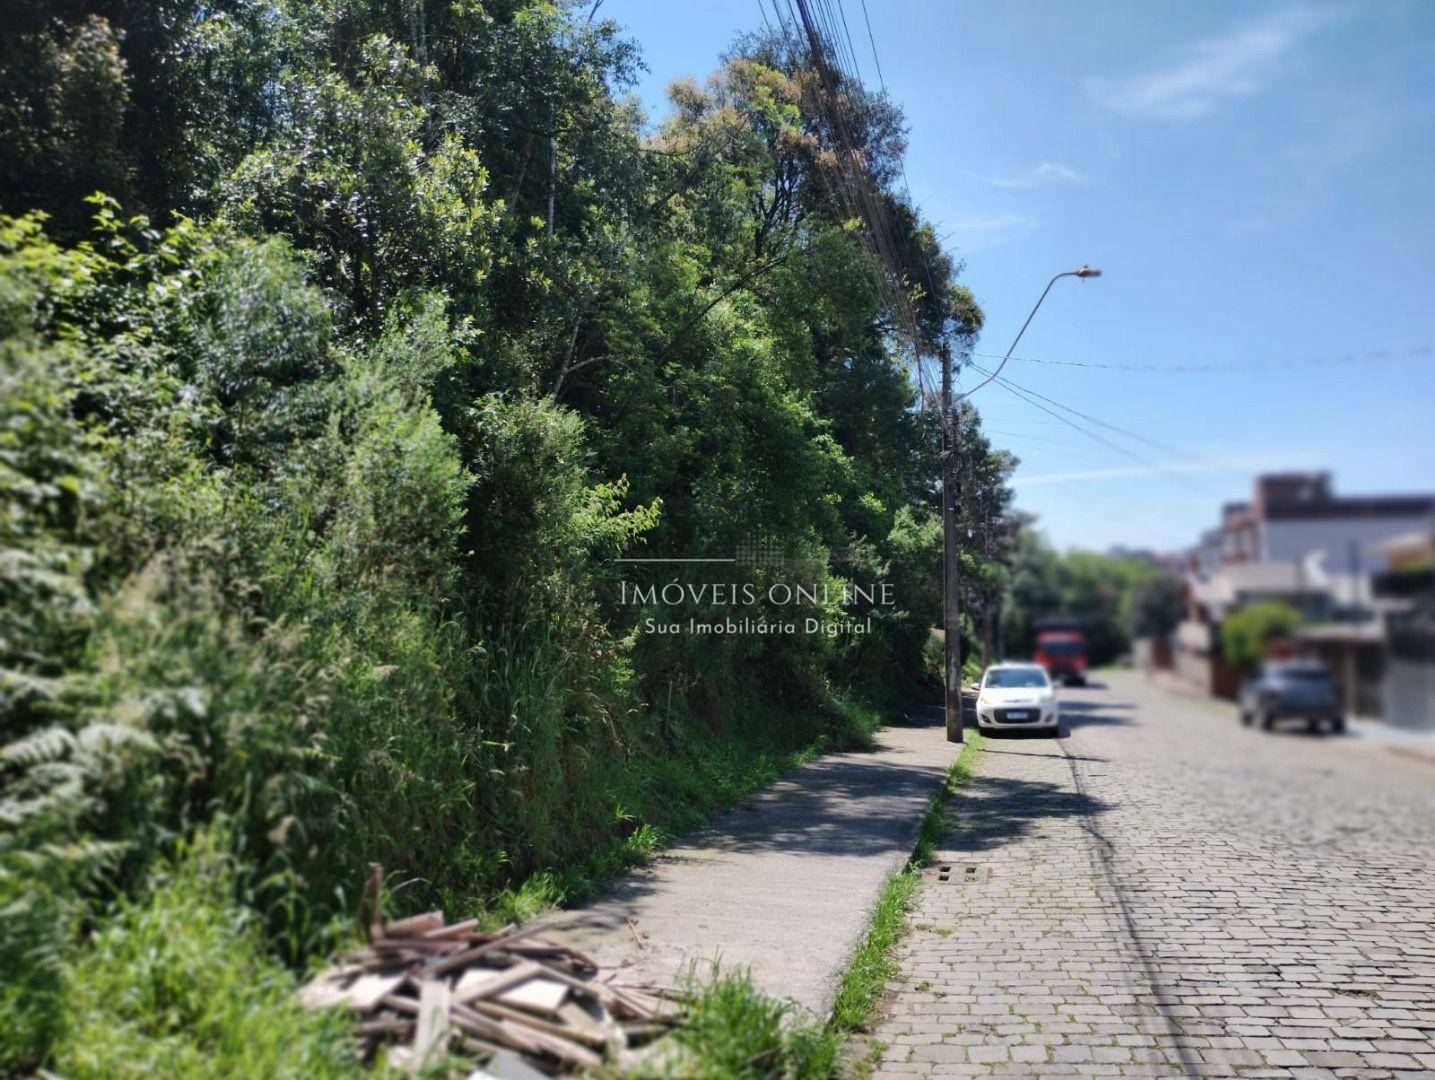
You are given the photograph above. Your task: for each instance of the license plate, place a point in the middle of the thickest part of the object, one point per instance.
(1015, 715)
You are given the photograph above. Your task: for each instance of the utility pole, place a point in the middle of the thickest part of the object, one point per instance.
(951, 615)
(988, 594)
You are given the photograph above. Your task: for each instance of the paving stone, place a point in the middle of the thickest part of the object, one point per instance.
(1165, 892)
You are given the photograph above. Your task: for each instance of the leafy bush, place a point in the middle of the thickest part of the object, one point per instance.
(1246, 634)
(54, 755)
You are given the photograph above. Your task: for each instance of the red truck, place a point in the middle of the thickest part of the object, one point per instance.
(1061, 649)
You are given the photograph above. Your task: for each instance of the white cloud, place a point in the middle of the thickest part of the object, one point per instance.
(973, 232)
(1214, 70)
(1048, 173)
(1208, 465)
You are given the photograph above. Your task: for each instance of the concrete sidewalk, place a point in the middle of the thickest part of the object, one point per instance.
(782, 884)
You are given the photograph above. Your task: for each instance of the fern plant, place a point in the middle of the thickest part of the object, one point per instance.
(55, 751)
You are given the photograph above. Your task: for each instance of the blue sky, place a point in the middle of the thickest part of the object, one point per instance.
(1255, 180)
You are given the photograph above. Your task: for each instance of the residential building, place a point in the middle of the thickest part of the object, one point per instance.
(1292, 516)
(1409, 585)
(1298, 542)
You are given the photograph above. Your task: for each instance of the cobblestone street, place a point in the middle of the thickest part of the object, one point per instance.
(1166, 893)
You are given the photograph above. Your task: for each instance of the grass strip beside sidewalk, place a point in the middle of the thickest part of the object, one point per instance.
(873, 966)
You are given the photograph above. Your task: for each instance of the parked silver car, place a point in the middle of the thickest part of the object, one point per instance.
(1292, 689)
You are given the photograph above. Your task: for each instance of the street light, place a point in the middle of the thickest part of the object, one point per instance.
(1080, 272)
(951, 621)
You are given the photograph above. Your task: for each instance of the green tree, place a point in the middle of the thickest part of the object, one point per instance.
(1115, 596)
(1157, 605)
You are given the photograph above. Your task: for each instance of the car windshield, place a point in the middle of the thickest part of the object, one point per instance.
(1023, 678)
(1062, 648)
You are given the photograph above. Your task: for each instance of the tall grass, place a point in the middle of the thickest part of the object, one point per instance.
(181, 985)
(733, 1031)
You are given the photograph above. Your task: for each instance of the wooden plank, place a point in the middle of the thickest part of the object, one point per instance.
(453, 930)
(642, 1030)
(432, 1033)
(650, 1006)
(522, 985)
(588, 1021)
(486, 982)
(634, 1001)
(537, 994)
(321, 993)
(591, 988)
(606, 1022)
(424, 947)
(327, 987)
(466, 958)
(591, 1035)
(368, 990)
(392, 1025)
(523, 1035)
(498, 1031)
(564, 1050)
(414, 925)
(475, 1045)
(400, 1003)
(544, 951)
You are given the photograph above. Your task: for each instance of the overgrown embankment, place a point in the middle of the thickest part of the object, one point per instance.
(320, 435)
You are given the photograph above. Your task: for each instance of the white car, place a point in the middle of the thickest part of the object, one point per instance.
(1017, 697)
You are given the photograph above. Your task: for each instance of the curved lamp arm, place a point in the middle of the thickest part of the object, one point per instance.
(1081, 272)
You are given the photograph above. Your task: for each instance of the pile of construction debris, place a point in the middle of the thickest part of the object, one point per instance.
(522, 1005)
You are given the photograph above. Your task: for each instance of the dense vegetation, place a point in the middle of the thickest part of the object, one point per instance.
(345, 346)
(1117, 596)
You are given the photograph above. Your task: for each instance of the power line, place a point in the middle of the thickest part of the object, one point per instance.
(901, 163)
(1332, 360)
(1037, 444)
(1123, 450)
(1136, 435)
(881, 80)
(830, 24)
(762, 7)
(852, 180)
(1031, 396)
